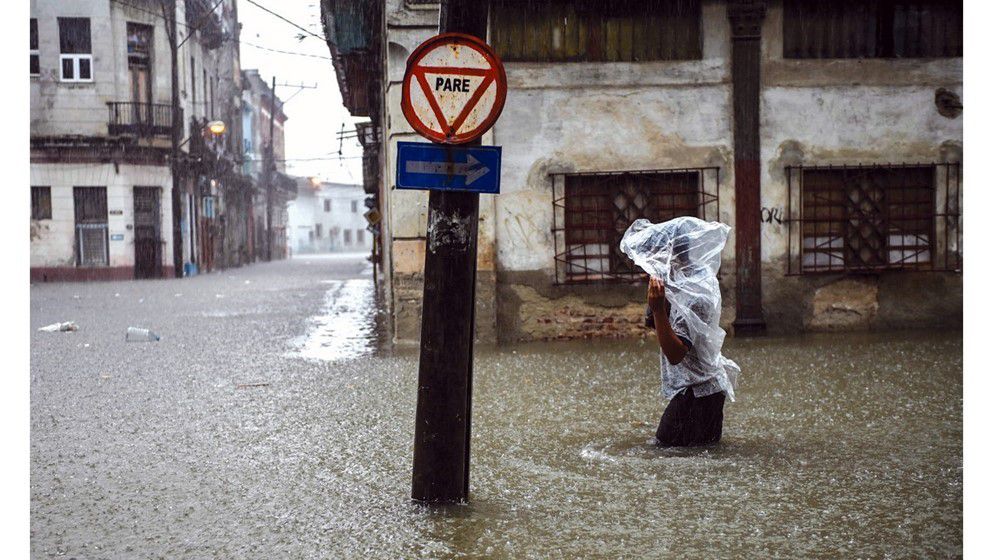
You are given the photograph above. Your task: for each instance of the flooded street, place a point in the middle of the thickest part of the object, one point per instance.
(265, 424)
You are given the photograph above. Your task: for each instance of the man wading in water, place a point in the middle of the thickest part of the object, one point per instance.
(682, 257)
(695, 415)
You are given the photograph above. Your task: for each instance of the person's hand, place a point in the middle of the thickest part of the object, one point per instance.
(656, 295)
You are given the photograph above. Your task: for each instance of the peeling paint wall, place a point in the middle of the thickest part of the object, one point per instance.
(588, 117)
(849, 112)
(404, 212)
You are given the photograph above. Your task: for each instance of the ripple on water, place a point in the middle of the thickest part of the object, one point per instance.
(635, 451)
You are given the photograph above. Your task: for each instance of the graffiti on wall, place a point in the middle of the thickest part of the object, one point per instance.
(772, 215)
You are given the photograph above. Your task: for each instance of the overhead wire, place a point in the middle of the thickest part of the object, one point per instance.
(200, 25)
(301, 28)
(244, 42)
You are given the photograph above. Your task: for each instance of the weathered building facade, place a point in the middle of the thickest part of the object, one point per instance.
(107, 200)
(828, 135)
(264, 160)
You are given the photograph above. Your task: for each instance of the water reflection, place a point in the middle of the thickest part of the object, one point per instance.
(345, 327)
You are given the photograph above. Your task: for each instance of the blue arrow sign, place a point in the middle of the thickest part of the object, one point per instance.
(437, 167)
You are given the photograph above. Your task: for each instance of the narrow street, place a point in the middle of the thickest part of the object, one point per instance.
(421, 279)
(265, 424)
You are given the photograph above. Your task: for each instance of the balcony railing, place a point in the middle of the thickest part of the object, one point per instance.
(139, 119)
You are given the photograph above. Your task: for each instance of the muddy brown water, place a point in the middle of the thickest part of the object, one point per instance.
(840, 446)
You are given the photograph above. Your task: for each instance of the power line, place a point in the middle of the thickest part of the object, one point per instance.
(284, 52)
(304, 29)
(240, 41)
(206, 19)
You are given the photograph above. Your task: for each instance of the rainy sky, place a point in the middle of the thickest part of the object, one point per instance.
(315, 115)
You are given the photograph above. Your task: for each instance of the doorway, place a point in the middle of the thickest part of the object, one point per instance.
(147, 230)
(140, 73)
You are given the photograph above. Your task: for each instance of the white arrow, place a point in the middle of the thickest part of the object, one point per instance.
(450, 168)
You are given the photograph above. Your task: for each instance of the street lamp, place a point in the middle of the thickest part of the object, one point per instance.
(315, 182)
(216, 127)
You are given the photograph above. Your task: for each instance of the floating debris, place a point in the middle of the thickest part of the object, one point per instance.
(67, 326)
(138, 334)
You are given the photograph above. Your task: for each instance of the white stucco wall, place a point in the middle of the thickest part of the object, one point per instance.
(76, 108)
(300, 222)
(307, 211)
(53, 241)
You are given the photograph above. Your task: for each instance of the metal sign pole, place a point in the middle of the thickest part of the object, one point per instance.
(444, 387)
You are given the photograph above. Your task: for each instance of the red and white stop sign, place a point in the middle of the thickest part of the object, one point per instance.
(454, 88)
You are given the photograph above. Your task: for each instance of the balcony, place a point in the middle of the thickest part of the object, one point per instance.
(139, 119)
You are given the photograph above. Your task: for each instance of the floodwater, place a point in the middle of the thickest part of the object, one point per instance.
(840, 446)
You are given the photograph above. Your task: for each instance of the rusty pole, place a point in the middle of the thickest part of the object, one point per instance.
(746, 57)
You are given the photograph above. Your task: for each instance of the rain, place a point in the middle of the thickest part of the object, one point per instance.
(507, 279)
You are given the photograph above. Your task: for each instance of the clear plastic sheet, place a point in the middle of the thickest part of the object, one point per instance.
(685, 253)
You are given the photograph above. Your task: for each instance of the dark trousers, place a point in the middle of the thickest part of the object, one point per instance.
(689, 420)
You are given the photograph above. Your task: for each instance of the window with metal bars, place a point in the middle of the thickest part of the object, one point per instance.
(596, 31)
(591, 212)
(875, 218)
(872, 29)
(90, 205)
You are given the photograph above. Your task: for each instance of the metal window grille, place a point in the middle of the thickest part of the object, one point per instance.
(92, 239)
(591, 212)
(91, 225)
(874, 218)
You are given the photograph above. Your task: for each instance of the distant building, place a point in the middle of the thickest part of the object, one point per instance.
(256, 121)
(328, 218)
(828, 135)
